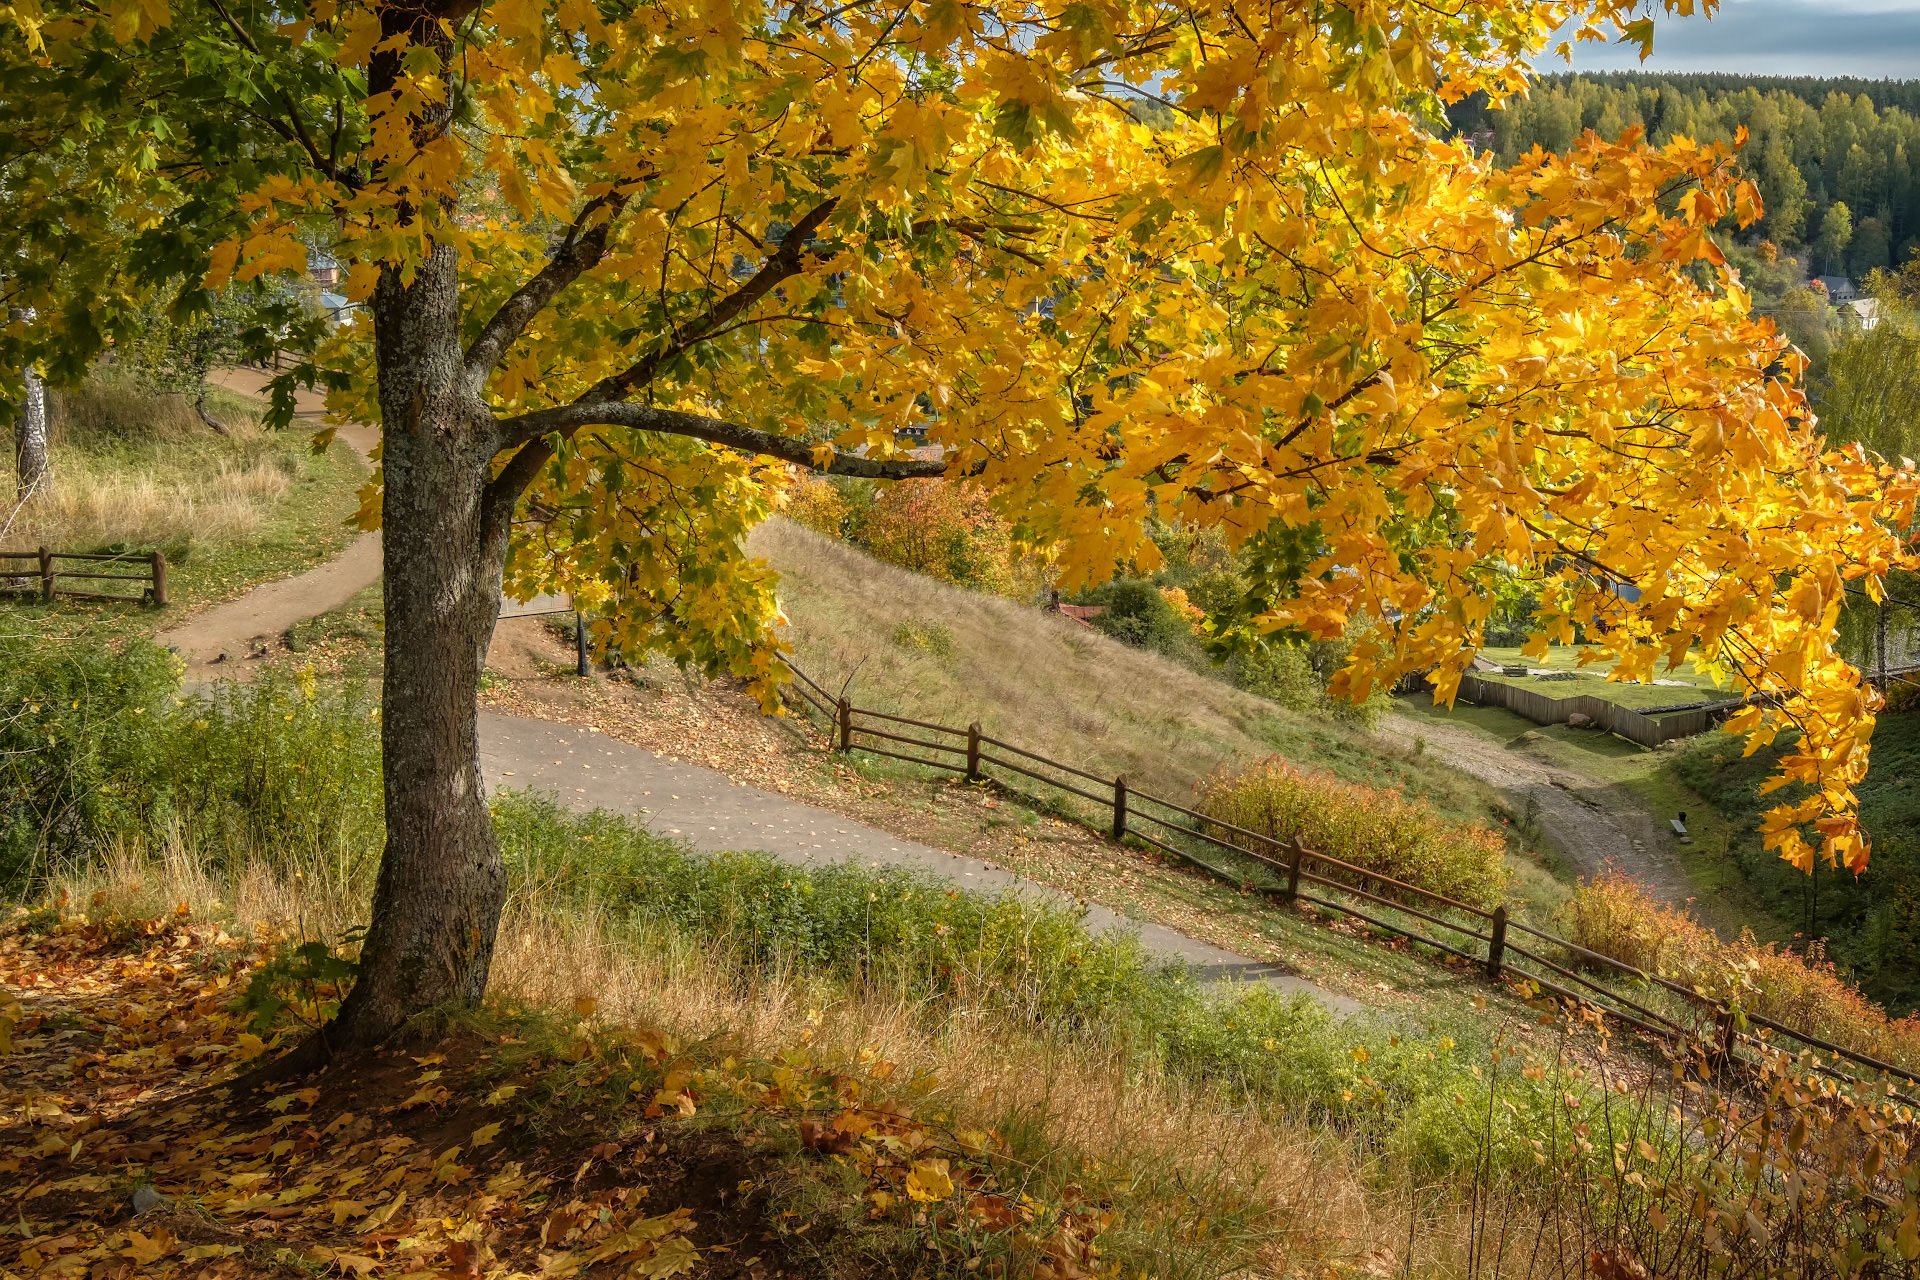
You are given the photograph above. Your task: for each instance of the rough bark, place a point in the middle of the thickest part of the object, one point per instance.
(441, 885)
(32, 467)
(200, 407)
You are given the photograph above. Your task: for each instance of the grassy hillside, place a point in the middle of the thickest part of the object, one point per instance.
(1871, 922)
(902, 643)
(138, 471)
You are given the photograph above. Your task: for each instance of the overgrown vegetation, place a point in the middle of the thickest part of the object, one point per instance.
(941, 529)
(135, 469)
(99, 746)
(1871, 921)
(1382, 830)
(1615, 917)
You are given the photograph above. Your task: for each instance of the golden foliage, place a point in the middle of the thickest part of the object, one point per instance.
(1120, 261)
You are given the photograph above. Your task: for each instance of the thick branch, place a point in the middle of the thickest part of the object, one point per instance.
(565, 420)
(784, 262)
(584, 246)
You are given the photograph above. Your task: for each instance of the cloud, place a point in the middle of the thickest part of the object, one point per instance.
(1875, 39)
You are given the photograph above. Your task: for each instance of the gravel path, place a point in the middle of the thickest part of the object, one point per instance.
(1597, 825)
(588, 770)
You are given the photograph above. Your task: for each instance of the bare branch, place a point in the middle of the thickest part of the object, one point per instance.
(784, 262)
(569, 418)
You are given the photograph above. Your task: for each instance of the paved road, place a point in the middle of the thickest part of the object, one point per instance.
(713, 813)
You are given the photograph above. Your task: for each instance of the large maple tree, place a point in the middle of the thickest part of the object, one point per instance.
(627, 263)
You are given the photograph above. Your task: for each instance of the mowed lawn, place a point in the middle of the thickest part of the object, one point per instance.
(1691, 685)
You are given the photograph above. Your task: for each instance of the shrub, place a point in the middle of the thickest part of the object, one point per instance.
(1371, 827)
(101, 747)
(943, 529)
(79, 728)
(1138, 613)
(819, 504)
(1614, 916)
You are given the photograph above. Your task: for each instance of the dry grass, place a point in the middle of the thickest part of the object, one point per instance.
(1614, 916)
(90, 506)
(1187, 1148)
(134, 468)
(903, 643)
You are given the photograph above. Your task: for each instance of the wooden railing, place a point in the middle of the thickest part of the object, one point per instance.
(39, 573)
(1292, 873)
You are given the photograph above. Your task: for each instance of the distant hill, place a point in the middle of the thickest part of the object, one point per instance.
(1837, 161)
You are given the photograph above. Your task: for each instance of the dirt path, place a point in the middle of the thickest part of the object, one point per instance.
(1596, 824)
(242, 628)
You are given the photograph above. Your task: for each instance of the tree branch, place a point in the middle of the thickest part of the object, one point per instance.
(565, 420)
(578, 253)
(784, 262)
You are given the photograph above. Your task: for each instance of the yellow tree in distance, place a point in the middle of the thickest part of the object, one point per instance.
(627, 263)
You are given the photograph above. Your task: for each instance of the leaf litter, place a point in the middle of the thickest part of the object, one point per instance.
(512, 1143)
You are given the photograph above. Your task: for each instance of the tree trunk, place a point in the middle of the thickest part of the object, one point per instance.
(31, 465)
(200, 407)
(1880, 647)
(441, 885)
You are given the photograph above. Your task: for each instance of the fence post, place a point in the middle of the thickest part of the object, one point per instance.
(159, 578)
(973, 752)
(846, 725)
(1727, 1030)
(581, 666)
(1296, 851)
(46, 575)
(1497, 942)
(1119, 808)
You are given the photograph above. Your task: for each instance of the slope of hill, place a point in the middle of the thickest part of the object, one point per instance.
(899, 642)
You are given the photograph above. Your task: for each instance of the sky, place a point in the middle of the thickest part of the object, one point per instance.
(1872, 38)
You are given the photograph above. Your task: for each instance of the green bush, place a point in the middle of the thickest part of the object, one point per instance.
(80, 731)
(100, 746)
(1139, 614)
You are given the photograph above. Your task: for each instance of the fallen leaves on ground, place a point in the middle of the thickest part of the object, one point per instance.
(513, 1144)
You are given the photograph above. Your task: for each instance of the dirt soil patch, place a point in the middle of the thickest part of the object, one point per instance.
(1598, 826)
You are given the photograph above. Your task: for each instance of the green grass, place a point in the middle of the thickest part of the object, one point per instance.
(138, 472)
(1691, 684)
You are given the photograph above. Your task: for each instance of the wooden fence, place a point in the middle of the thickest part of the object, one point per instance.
(39, 573)
(1635, 726)
(1505, 949)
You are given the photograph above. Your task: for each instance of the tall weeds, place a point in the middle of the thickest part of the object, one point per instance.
(100, 747)
(1614, 916)
(1379, 829)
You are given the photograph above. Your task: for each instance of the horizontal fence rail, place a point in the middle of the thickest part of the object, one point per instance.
(39, 573)
(1477, 935)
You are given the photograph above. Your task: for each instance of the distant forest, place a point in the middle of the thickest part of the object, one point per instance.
(1837, 161)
